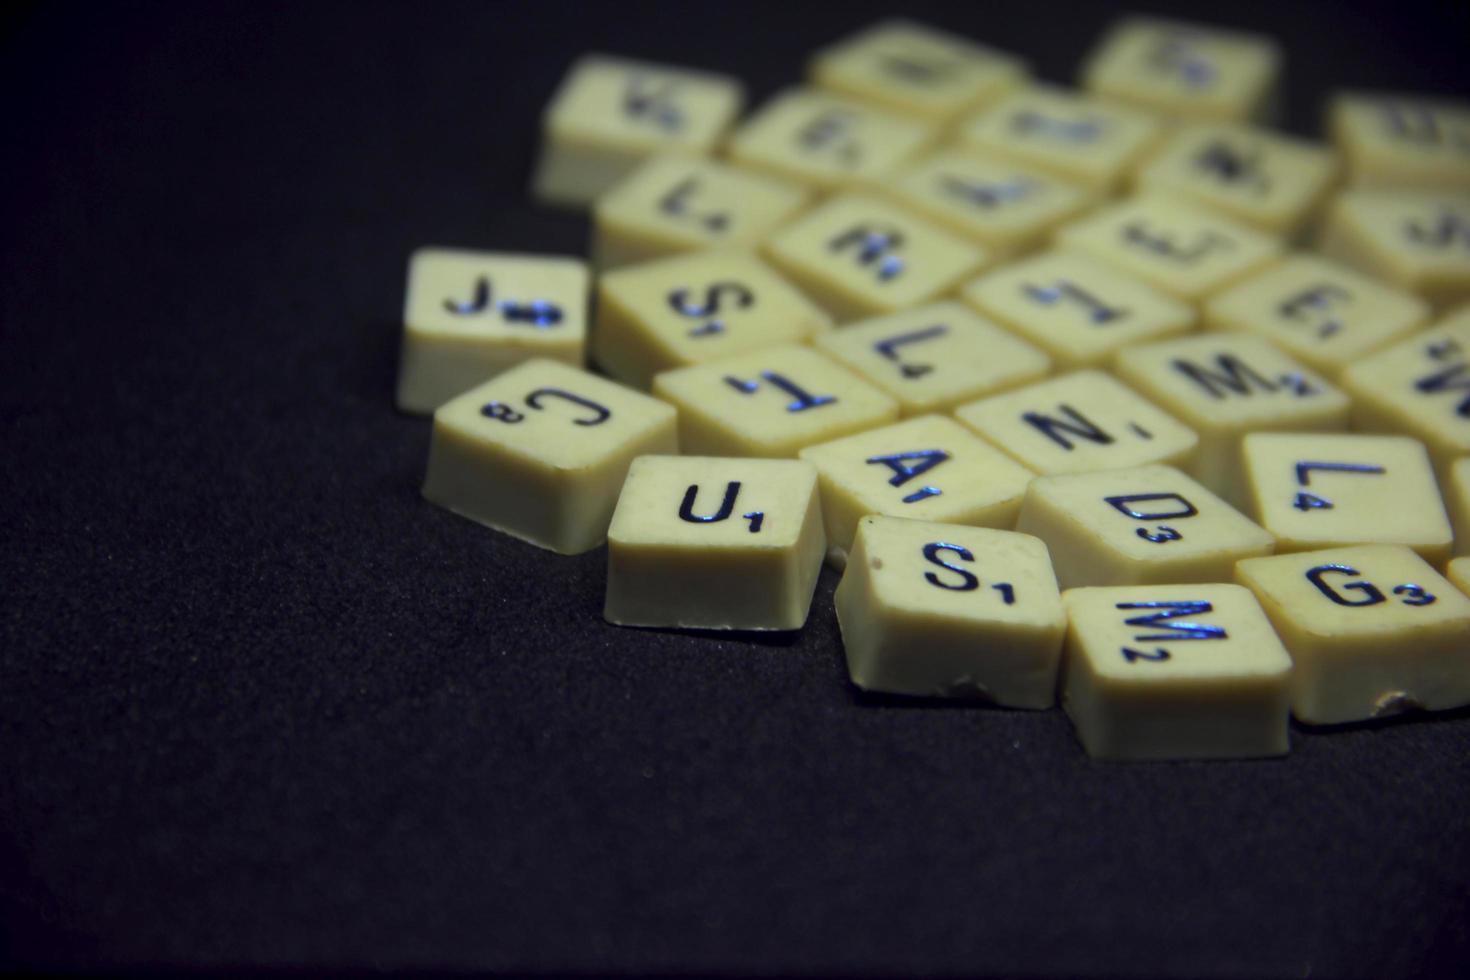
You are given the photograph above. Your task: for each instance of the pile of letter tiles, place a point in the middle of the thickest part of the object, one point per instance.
(1109, 396)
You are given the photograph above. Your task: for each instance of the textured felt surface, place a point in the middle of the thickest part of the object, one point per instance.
(260, 704)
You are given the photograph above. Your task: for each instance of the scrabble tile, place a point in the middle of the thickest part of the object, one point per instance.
(1186, 70)
(709, 543)
(771, 402)
(825, 140)
(540, 452)
(915, 70)
(688, 309)
(1174, 672)
(858, 255)
(1318, 311)
(1390, 140)
(929, 468)
(1147, 525)
(1271, 182)
(1373, 631)
(1420, 387)
(469, 315)
(1089, 142)
(1324, 490)
(1416, 240)
(943, 610)
(1079, 422)
(674, 204)
(611, 114)
(1457, 501)
(1181, 249)
(1075, 308)
(1225, 385)
(935, 357)
(1006, 208)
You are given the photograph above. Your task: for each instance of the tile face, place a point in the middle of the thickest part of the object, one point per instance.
(771, 402)
(826, 141)
(1391, 140)
(540, 452)
(948, 611)
(1225, 385)
(1079, 422)
(1092, 143)
(858, 256)
(1174, 672)
(934, 357)
(929, 468)
(915, 70)
(675, 204)
(1323, 490)
(1373, 631)
(1320, 312)
(1420, 387)
(1077, 309)
(689, 309)
(1186, 70)
(469, 315)
(1005, 207)
(1416, 240)
(1269, 181)
(610, 114)
(1180, 249)
(709, 543)
(1148, 525)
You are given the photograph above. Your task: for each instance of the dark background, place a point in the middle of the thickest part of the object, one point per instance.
(261, 705)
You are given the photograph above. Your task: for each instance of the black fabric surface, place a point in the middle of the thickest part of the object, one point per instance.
(261, 705)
